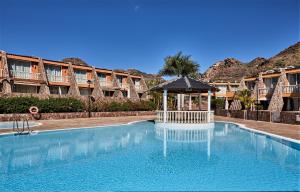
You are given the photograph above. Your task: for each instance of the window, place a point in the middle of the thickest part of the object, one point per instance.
(85, 91)
(125, 93)
(25, 88)
(54, 73)
(120, 79)
(108, 93)
(58, 90)
(81, 76)
(20, 69)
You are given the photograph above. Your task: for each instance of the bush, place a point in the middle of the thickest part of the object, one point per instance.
(50, 105)
(218, 103)
(56, 105)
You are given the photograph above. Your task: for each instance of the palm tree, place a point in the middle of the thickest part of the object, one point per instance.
(179, 65)
(245, 98)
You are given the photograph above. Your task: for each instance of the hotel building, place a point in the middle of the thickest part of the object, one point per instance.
(27, 75)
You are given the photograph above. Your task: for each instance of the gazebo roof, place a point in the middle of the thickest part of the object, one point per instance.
(184, 85)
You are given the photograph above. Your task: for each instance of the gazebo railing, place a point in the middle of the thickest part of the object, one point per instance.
(186, 116)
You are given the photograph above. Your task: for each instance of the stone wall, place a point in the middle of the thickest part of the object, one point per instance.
(287, 117)
(47, 116)
(262, 115)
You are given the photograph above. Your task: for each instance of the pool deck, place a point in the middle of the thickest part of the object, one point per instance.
(285, 130)
(83, 122)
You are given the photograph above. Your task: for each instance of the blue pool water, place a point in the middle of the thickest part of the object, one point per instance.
(142, 157)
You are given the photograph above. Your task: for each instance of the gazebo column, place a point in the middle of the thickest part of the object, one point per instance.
(165, 102)
(190, 102)
(182, 101)
(178, 102)
(208, 105)
(200, 98)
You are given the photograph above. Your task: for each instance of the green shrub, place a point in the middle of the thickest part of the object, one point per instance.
(218, 103)
(51, 105)
(56, 105)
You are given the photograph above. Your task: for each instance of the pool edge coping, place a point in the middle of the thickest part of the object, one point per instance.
(74, 128)
(243, 126)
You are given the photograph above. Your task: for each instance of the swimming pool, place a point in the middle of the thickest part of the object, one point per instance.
(139, 157)
(9, 124)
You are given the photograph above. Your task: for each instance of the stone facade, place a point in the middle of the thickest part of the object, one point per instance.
(133, 93)
(44, 90)
(276, 103)
(97, 92)
(6, 85)
(73, 90)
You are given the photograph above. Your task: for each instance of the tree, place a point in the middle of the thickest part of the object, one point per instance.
(245, 98)
(179, 65)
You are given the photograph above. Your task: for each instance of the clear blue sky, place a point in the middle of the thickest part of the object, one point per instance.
(141, 33)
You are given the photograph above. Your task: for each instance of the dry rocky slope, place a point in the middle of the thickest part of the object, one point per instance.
(229, 69)
(232, 69)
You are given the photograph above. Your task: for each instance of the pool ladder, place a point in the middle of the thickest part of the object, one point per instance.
(21, 130)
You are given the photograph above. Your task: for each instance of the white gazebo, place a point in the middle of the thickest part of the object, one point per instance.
(184, 85)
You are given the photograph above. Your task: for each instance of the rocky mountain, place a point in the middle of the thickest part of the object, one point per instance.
(232, 69)
(147, 76)
(75, 61)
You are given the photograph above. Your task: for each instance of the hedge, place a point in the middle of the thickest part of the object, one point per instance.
(56, 105)
(51, 105)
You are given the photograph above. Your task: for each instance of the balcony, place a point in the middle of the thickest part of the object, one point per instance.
(265, 91)
(139, 87)
(25, 75)
(81, 80)
(58, 78)
(291, 89)
(123, 85)
(106, 84)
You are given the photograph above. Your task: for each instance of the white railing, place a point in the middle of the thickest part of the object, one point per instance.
(81, 80)
(123, 85)
(186, 116)
(291, 89)
(25, 75)
(265, 91)
(58, 78)
(106, 83)
(138, 87)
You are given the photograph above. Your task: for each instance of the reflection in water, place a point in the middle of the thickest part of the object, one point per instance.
(130, 158)
(29, 152)
(188, 133)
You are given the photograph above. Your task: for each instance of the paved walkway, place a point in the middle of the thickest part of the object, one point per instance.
(286, 130)
(84, 122)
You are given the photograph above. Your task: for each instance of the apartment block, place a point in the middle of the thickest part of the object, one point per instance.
(27, 75)
(277, 90)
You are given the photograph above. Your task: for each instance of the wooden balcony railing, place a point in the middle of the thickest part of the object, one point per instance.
(291, 89)
(25, 75)
(186, 116)
(58, 78)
